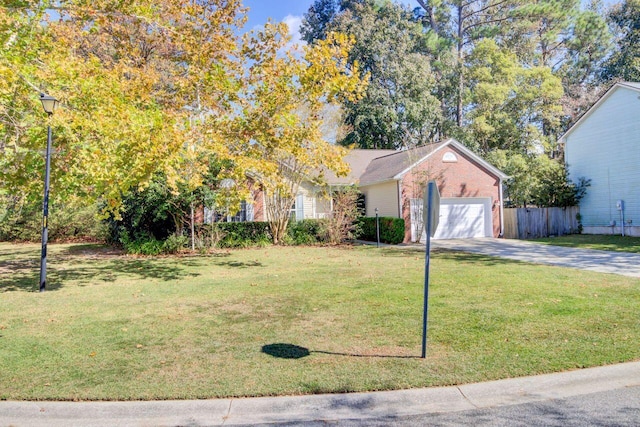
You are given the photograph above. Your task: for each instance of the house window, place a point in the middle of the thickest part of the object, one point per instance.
(297, 209)
(449, 157)
(323, 206)
(243, 215)
(209, 215)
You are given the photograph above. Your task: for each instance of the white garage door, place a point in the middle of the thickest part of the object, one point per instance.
(464, 217)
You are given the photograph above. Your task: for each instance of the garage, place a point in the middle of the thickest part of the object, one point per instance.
(470, 190)
(463, 217)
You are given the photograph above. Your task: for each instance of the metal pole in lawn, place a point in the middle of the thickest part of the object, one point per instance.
(49, 104)
(426, 285)
(45, 214)
(431, 216)
(377, 229)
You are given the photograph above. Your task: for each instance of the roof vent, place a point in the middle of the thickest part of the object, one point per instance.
(449, 157)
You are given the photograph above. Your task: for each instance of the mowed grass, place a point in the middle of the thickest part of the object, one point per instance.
(290, 320)
(614, 243)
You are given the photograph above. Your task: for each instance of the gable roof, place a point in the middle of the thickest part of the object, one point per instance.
(358, 160)
(388, 167)
(635, 86)
(395, 165)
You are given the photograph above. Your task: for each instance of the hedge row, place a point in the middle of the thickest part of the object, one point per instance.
(252, 234)
(391, 229)
(235, 234)
(247, 234)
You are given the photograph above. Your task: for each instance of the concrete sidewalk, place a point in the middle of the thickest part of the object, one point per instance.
(626, 264)
(300, 409)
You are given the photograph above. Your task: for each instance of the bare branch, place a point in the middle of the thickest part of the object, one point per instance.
(479, 11)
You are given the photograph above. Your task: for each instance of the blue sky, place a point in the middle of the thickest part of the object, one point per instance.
(289, 11)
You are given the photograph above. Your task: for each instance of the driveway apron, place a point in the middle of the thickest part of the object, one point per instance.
(626, 264)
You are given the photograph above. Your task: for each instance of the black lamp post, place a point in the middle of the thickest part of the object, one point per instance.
(49, 104)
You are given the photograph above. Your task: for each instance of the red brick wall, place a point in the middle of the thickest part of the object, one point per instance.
(463, 178)
(258, 202)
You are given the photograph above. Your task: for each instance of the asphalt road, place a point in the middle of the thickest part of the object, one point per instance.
(616, 408)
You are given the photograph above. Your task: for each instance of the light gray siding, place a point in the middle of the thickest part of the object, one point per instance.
(383, 196)
(605, 147)
(316, 202)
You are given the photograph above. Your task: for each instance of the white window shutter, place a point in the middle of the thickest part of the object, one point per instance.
(299, 207)
(250, 211)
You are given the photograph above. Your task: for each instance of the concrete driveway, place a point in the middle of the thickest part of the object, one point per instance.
(622, 263)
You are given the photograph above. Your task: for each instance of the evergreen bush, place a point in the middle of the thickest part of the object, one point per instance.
(391, 229)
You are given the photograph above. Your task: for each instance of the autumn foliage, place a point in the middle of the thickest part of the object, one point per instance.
(150, 87)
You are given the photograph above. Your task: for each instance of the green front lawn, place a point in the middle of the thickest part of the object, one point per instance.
(615, 243)
(287, 320)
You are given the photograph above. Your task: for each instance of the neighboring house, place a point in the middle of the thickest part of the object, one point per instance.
(604, 146)
(394, 181)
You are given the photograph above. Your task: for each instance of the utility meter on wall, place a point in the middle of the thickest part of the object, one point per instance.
(620, 205)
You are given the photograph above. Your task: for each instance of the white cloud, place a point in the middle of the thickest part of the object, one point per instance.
(294, 23)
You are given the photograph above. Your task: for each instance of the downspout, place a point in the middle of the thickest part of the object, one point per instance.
(400, 198)
(501, 210)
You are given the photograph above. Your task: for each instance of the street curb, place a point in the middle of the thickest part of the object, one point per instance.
(386, 405)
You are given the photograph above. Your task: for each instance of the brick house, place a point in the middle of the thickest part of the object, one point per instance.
(470, 190)
(394, 181)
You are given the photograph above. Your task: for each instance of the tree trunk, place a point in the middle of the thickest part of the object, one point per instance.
(460, 67)
(432, 17)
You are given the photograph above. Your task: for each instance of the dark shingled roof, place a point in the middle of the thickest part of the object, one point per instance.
(358, 160)
(374, 166)
(386, 167)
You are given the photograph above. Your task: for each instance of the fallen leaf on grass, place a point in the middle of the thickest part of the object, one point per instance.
(139, 346)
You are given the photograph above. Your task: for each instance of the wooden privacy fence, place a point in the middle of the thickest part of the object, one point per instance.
(531, 223)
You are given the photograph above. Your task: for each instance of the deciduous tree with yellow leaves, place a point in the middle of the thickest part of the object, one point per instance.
(283, 96)
(152, 87)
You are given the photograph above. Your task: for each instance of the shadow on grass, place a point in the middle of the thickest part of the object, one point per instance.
(285, 351)
(95, 264)
(87, 265)
(92, 250)
(292, 351)
(468, 257)
(451, 255)
(239, 264)
(20, 275)
(13, 251)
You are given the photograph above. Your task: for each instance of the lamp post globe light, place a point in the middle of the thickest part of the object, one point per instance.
(49, 104)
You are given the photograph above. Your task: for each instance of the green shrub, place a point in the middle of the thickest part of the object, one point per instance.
(306, 232)
(149, 245)
(391, 229)
(235, 234)
(153, 211)
(174, 244)
(222, 235)
(21, 220)
(141, 245)
(580, 226)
